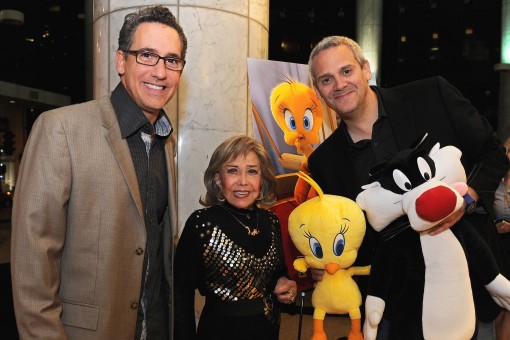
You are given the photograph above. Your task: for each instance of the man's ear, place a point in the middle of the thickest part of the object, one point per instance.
(120, 62)
(367, 70)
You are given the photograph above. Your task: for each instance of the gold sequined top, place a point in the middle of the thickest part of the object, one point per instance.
(219, 256)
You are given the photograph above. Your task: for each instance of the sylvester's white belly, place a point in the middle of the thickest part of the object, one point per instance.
(448, 308)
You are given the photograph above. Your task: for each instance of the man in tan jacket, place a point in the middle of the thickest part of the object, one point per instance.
(95, 207)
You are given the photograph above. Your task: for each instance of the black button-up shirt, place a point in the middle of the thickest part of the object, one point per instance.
(368, 153)
(147, 145)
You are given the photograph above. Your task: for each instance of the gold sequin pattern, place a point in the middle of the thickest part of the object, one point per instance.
(232, 273)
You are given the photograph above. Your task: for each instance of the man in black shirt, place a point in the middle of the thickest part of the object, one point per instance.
(377, 122)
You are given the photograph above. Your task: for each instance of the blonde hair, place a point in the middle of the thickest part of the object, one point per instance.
(230, 149)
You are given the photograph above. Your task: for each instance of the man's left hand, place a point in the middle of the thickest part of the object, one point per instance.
(448, 222)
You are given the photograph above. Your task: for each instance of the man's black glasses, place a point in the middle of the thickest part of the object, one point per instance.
(151, 59)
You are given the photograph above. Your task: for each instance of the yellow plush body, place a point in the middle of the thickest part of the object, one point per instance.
(328, 231)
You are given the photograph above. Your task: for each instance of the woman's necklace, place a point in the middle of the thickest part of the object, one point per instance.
(246, 215)
(251, 232)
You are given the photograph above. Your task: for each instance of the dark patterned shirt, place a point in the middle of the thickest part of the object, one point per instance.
(147, 145)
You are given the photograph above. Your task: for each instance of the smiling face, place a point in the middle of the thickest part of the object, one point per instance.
(341, 81)
(240, 180)
(151, 87)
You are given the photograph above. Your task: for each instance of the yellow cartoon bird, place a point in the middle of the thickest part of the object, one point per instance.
(328, 231)
(298, 112)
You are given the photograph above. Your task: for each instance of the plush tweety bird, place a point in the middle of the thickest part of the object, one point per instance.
(328, 231)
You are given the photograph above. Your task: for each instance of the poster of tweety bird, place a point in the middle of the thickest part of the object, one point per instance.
(288, 116)
(290, 120)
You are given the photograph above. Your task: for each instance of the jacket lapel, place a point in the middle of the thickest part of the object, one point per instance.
(172, 190)
(401, 117)
(121, 151)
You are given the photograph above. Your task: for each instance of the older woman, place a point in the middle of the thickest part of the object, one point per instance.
(232, 251)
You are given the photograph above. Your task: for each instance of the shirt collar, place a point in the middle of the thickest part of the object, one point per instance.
(380, 107)
(131, 118)
(381, 114)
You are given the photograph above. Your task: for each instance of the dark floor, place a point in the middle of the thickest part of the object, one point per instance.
(335, 326)
(7, 320)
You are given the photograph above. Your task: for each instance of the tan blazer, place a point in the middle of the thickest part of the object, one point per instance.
(78, 232)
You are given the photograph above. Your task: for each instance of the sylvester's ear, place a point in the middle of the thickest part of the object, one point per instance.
(371, 185)
(434, 149)
(375, 172)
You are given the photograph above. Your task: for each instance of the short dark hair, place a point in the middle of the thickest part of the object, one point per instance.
(230, 149)
(157, 14)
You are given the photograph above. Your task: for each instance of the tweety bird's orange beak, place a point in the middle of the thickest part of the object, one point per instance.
(331, 268)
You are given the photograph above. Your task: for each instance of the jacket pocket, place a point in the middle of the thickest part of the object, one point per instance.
(80, 315)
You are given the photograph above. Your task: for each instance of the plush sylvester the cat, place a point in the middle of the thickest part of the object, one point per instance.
(421, 283)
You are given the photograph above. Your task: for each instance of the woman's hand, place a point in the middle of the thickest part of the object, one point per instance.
(285, 290)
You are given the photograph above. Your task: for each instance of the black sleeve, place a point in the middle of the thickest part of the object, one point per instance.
(479, 256)
(482, 152)
(279, 245)
(188, 266)
(483, 269)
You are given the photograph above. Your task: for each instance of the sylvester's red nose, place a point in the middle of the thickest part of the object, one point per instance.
(436, 203)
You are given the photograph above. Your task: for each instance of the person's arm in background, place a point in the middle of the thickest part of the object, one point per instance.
(481, 149)
(39, 230)
(483, 155)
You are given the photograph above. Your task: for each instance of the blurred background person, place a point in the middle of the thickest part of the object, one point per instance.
(502, 204)
(502, 218)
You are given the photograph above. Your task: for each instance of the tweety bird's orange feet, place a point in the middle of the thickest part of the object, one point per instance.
(318, 330)
(355, 332)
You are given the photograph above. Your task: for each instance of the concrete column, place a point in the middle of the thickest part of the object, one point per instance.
(212, 102)
(369, 33)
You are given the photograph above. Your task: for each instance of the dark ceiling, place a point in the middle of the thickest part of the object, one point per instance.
(48, 50)
(458, 39)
